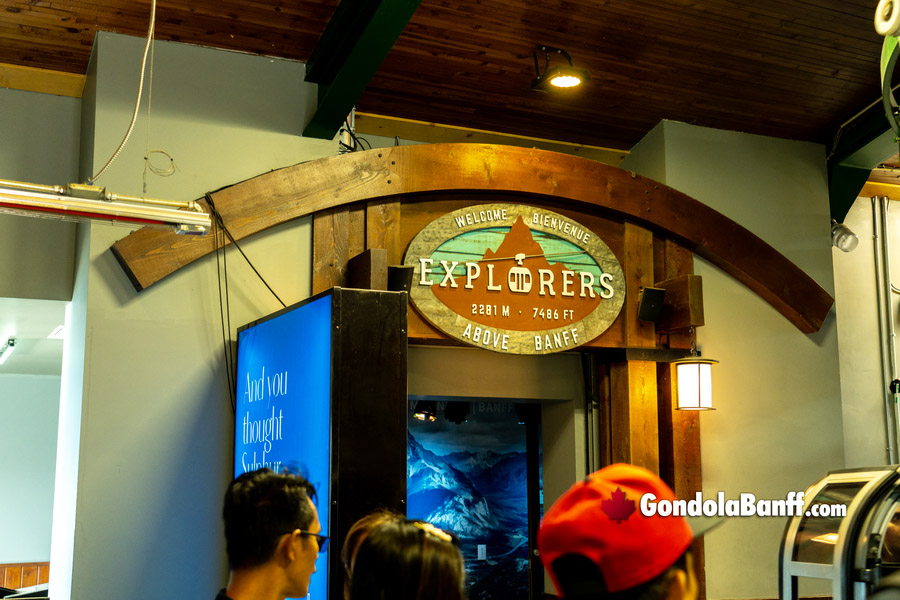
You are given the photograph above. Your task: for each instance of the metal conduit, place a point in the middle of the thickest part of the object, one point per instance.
(885, 318)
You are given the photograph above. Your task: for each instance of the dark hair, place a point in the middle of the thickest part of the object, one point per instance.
(361, 528)
(260, 507)
(357, 533)
(580, 579)
(408, 560)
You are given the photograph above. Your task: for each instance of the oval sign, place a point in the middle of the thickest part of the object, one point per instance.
(515, 279)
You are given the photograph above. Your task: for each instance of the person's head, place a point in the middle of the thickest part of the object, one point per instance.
(271, 517)
(408, 560)
(357, 533)
(596, 543)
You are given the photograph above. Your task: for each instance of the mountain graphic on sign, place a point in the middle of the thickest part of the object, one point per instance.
(516, 266)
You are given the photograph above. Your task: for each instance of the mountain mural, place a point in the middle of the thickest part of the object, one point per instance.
(440, 493)
(471, 479)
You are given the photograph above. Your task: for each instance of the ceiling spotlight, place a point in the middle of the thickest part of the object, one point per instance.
(557, 77)
(425, 410)
(842, 237)
(7, 349)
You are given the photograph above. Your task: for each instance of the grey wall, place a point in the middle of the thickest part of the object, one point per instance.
(778, 423)
(155, 420)
(29, 406)
(39, 135)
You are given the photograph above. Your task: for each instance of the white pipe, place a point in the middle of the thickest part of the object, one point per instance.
(882, 331)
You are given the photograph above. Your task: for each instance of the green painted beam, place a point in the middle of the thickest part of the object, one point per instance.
(353, 46)
(863, 145)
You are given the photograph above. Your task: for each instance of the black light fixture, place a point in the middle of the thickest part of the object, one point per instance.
(425, 410)
(557, 77)
(457, 412)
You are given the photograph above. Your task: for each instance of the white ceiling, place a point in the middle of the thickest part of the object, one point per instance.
(30, 322)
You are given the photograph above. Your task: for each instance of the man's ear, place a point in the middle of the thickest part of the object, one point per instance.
(286, 551)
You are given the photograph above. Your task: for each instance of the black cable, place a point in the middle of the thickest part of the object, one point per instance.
(357, 141)
(221, 222)
(225, 337)
(230, 347)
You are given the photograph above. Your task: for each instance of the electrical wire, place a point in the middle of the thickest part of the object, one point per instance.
(218, 217)
(226, 332)
(137, 104)
(357, 141)
(169, 170)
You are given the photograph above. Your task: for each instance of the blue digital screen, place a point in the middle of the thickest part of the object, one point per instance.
(283, 402)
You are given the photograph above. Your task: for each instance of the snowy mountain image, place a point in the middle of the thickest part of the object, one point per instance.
(443, 495)
(479, 494)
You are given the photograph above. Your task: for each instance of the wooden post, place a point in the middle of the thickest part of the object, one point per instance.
(679, 430)
(638, 267)
(634, 421)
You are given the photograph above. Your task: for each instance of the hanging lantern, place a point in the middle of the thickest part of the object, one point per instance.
(693, 383)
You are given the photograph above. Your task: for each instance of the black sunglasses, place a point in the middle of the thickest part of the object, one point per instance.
(321, 540)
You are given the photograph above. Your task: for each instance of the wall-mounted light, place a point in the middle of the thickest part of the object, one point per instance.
(557, 77)
(693, 383)
(842, 237)
(7, 349)
(77, 201)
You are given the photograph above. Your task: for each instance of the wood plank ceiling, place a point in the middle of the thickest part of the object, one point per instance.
(795, 70)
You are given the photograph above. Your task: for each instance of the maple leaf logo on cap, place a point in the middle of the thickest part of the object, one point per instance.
(618, 508)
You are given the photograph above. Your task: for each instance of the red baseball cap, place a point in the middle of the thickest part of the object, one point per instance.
(599, 518)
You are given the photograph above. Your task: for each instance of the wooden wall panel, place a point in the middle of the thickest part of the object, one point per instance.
(633, 414)
(338, 236)
(383, 228)
(19, 575)
(638, 267)
(13, 577)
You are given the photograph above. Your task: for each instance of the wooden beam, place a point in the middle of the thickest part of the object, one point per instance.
(255, 205)
(680, 462)
(633, 414)
(43, 81)
(439, 133)
(872, 189)
(682, 304)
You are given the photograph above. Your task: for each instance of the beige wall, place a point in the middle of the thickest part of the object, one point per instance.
(778, 423)
(863, 384)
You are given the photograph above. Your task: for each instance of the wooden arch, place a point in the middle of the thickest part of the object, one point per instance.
(249, 207)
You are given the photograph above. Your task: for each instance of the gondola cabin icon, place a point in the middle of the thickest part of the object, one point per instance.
(515, 279)
(520, 277)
